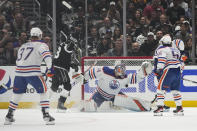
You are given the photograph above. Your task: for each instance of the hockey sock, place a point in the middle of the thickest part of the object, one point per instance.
(160, 98)
(177, 98)
(62, 99)
(44, 102)
(14, 102)
(64, 93)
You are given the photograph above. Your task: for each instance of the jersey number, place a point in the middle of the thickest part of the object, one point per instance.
(27, 51)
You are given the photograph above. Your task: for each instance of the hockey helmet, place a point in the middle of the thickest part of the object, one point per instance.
(36, 32)
(166, 40)
(120, 70)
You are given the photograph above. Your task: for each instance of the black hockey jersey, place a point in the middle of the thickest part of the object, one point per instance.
(63, 57)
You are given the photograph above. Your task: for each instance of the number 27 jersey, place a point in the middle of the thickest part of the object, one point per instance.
(30, 56)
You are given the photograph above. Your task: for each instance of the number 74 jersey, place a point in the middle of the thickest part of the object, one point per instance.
(167, 57)
(30, 56)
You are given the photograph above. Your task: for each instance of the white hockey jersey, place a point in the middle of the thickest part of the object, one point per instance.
(30, 56)
(168, 57)
(108, 84)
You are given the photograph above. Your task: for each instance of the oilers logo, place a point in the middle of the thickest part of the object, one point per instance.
(114, 84)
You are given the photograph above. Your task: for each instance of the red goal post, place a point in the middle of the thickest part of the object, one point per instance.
(131, 63)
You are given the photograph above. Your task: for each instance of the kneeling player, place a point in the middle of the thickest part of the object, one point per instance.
(111, 81)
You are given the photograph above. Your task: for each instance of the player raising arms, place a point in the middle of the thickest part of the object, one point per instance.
(168, 71)
(111, 81)
(28, 64)
(62, 62)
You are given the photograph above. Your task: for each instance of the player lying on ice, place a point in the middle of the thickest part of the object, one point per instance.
(110, 82)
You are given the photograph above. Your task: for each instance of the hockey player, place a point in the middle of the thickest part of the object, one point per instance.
(167, 68)
(111, 81)
(28, 71)
(5, 81)
(62, 62)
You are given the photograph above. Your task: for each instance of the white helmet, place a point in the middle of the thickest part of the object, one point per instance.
(140, 39)
(36, 32)
(166, 40)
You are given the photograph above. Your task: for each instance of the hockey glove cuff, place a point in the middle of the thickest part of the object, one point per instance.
(158, 72)
(50, 72)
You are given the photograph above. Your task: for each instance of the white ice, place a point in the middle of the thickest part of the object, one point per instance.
(31, 120)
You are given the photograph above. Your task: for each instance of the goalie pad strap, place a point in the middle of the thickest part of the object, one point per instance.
(141, 107)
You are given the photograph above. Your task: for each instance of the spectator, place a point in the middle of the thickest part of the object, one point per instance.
(138, 15)
(135, 50)
(6, 9)
(153, 7)
(174, 13)
(140, 4)
(183, 34)
(159, 35)
(107, 25)
(93, 16)
(117, 50)
(19, 24)
(149, 46)
(93, 42)
(188, 49)
(131, 10)
(103, 46)
(117, 33)
(113, 13)
(2, 22)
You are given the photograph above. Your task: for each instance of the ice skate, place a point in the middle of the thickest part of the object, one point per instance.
(48, 119)
(178, 111)
(60, 107)
(9, 119)
(158, 111)
(166, 108)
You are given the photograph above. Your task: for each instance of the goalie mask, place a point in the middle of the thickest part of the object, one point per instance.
(120, 70)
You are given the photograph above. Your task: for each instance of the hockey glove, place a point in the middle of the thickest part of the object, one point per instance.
(158, 72)
(3, 89)
(50, 72)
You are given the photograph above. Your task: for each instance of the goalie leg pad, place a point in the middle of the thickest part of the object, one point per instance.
(89, 106)
(134, 104)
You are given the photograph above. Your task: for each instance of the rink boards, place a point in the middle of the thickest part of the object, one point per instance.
(144, 90)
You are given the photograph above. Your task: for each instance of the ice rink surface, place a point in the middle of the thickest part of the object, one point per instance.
(31, 120)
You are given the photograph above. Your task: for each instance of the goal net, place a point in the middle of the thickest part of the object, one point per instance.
(145, 89)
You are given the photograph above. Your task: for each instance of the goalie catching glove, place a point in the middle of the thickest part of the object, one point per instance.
(145, 70)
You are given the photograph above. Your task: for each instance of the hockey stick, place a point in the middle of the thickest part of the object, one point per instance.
(79, 76)
(189, 80)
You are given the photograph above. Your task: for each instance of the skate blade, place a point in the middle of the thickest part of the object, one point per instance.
(179, 114)
(158, 114)
(166, 110)
(50, 123)
(7, 123)
(61, 111)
